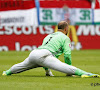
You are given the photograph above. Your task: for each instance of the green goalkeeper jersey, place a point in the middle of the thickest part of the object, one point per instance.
(58, 43)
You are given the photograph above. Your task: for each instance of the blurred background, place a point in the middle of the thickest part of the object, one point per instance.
(25, 23)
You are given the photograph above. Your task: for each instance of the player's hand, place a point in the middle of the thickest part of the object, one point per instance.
(49, 73)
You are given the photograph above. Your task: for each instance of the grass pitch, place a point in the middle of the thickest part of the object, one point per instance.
(34, 79)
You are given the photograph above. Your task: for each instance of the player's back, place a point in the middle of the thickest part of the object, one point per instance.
(54, 42)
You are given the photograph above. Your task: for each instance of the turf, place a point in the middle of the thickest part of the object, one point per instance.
(88, 60)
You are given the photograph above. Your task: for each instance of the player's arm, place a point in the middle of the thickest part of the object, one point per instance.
(67, 51)
(67, 59)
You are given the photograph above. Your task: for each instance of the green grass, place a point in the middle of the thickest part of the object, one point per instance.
(88, 60)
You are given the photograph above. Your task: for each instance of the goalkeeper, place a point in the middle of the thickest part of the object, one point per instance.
(46, 55)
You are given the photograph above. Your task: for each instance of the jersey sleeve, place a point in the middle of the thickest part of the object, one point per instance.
(67, 51)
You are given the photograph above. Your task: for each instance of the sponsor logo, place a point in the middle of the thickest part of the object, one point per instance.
(12, 20)
(88, 30)
(26, 30)
(74, 33)
(23, 30)
(10, 4)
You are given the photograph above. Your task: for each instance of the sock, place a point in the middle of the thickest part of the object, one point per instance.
(45, 68)
(80, 72)
(8, 72)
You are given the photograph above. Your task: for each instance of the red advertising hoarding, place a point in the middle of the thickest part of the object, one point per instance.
(29, 37)
(17, 32)
(22, 38)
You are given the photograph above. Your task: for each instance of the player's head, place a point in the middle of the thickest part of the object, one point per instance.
(63, 26)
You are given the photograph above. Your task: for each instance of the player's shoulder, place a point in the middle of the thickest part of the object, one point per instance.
(60, 34)
(64, 36)
(67, 37)
(57, 34)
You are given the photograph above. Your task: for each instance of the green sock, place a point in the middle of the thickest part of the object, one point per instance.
(8, 72)
(79, 72)
(45, 68)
